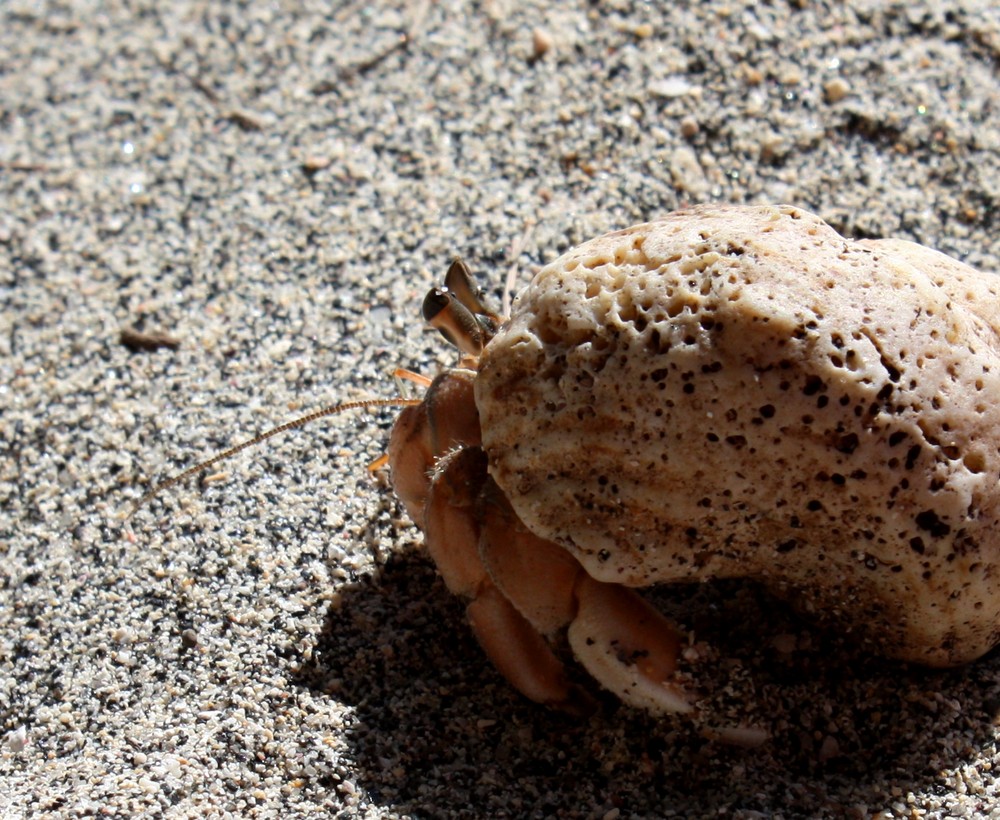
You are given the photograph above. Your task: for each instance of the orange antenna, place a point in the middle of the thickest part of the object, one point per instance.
(333, 410)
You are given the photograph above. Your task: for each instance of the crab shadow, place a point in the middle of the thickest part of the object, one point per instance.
(435, 726)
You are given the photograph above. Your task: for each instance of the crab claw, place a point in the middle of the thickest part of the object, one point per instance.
(443, 421)
(622, 641)
(629, 647)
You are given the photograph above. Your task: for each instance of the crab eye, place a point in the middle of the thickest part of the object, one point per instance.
(443, 310)
(458, 280)
(435, 301)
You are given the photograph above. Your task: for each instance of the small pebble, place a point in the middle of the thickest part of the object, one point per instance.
(835, 90)
(829, 749)
(687, 172)
(541, 43)
(314, 163)
(670, 88)
(17, 739)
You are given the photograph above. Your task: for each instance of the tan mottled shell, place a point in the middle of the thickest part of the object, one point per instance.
(740, 391)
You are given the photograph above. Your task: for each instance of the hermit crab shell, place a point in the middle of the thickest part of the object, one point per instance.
(740, 391)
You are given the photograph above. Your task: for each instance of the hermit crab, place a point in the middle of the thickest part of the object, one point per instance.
(724, 392)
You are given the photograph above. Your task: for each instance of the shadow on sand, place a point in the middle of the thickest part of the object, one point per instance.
(850, 733)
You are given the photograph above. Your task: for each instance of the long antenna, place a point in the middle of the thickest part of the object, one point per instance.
(274, 431)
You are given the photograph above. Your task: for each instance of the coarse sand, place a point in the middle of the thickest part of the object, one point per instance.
(260, 194)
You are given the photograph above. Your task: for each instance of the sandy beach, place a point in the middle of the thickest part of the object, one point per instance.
(261, 194)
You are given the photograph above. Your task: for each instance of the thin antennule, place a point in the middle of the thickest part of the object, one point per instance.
(274, 431)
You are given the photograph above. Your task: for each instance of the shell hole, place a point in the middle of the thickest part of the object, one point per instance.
(974, 462)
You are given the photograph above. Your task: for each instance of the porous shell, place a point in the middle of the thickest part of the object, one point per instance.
(740, 391)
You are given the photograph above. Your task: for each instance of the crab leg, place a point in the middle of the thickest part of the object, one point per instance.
(513, 644)
(521, 654)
